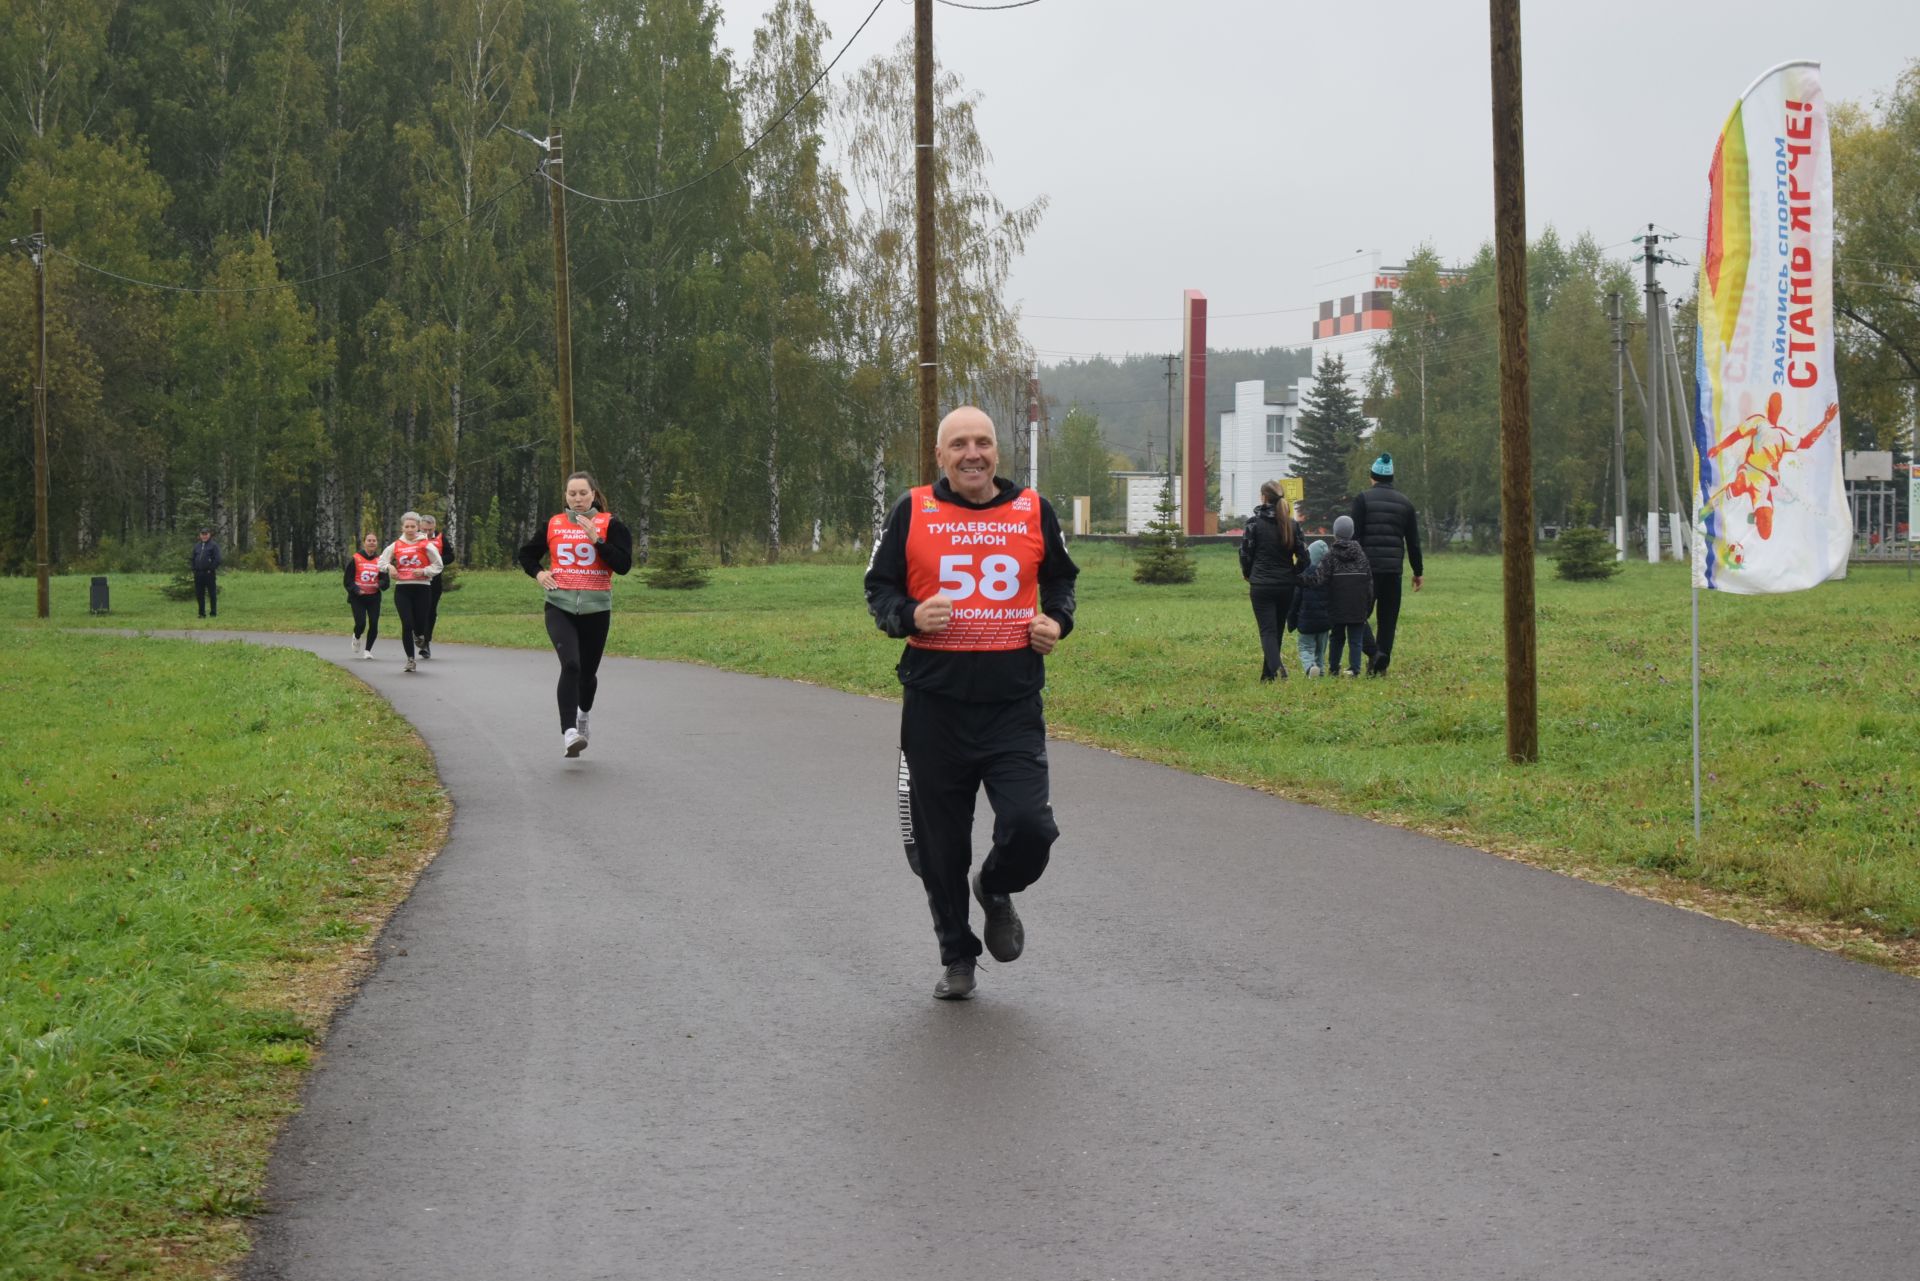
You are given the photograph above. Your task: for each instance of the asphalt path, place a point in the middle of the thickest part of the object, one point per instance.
(664, 1011)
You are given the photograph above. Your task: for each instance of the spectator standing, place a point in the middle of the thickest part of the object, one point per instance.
(1348, 578)
(205, 559)
(1387, 527)
(1271, 559)
(1309, 617)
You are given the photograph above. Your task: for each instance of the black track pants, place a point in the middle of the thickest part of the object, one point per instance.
(1270, 606)
(411, 604)
(952, 749)
(366, 617)
(579, 640)
(206, 591)
(1386, 616)
(433, 608)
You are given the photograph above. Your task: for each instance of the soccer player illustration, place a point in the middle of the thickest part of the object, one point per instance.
(1755, 476)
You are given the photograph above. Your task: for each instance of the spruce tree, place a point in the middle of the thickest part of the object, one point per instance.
(1330, 428)
(1584, 553)
(675, 560)
(1164, 555)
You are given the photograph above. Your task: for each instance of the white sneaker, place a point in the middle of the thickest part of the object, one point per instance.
(367, 654)
(580, 723)
(353, 646)
(573, 742)
(1313, 671)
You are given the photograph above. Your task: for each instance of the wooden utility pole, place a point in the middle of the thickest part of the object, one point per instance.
(562, 309)
(1516, 428)
(923, 233)
(1651, 407)
(42, 553)
(1616, 311)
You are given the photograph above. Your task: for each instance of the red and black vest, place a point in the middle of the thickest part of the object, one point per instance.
(366, 575)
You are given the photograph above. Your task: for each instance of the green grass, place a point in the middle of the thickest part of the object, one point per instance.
(1811, 716)
(190, 837)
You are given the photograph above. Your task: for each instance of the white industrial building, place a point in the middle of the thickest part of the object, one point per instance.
(1144, 491)
(1258, 443)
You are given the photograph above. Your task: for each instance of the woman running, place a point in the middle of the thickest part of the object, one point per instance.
(585, 547)
(414, 564)
(364, 582)
(430, 530)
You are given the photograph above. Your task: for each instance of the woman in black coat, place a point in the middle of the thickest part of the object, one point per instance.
(1272, 556)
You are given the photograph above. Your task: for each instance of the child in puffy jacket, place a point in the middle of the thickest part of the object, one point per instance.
(1348, 579)
(1309, 618)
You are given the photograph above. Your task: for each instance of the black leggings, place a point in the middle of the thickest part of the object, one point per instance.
(1270, 606)
(433, 609)
(579, 640)
(366, 617)
(411, 603)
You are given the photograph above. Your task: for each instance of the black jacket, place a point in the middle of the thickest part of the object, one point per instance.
(617, 551)
(1309, 611)
(990, 677)
(1383, 522)
(1264, 561)
(205, 557)
(1348, 579)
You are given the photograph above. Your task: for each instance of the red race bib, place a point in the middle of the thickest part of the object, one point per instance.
(366, 575)
(571, 554)
(410, 561)
(986, 562)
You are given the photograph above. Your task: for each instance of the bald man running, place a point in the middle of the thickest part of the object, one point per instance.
(973, 572)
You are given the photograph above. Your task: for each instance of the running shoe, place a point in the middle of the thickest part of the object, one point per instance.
(1006, 938)
(957, 983)
(367, 654)
(580, 723)
(573, 742)
(426, 649)
(410, 666)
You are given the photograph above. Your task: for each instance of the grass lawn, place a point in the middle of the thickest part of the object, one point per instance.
(196, 843)
(1811, 716)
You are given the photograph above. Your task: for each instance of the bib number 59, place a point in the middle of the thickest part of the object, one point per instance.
(574, 555)
(999, 577)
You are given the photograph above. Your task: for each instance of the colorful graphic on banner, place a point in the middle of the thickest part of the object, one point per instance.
(1772, 506)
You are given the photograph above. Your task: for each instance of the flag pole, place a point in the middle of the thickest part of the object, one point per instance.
(1696, 714)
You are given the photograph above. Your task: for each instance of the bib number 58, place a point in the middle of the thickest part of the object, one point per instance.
(999, 577)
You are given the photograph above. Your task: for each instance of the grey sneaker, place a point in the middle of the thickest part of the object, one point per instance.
(410, 664)
(957, 983)
(1006, 938)
(580, 723)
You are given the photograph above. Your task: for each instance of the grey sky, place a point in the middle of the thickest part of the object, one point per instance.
(1232, 146)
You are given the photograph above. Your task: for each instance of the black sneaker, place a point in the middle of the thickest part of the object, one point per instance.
(426, 649)
(957, 983)
(1006, 937)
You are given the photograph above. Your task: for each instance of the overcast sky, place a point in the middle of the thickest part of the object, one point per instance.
(1233, 146)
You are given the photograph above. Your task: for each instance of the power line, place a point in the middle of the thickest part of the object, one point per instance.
(758, 138)
(987, 8)
(479, 209)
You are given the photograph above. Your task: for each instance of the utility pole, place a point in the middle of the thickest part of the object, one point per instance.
(1516, 427)
(1674, 458)
(1033, 432)
(1616, 307)
(42, 554)
(923, 233)
(1651, 257)
(562, 310)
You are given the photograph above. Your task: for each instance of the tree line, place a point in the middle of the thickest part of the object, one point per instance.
(301, 273)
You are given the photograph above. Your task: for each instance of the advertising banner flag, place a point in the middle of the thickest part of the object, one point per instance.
(1770, 500)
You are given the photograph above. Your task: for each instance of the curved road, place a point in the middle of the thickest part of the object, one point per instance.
(664, 1012)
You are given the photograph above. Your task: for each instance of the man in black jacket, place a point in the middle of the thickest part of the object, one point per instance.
(205, 560)
(1384, 522)
(972, 571)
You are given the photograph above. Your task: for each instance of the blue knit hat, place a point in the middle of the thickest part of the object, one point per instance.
(1317, 551)
(1383, 466)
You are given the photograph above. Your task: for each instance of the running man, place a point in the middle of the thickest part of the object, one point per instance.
(585, 547)
(365, 580)
(430, 528)
(973, 573)
(413, 564)
(1758, 472)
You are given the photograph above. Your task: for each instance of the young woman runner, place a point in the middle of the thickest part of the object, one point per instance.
(585, 547)
(364, 582)
(414, 565)
(430, 530)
